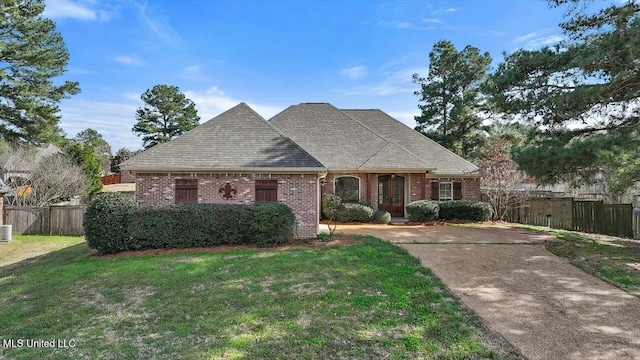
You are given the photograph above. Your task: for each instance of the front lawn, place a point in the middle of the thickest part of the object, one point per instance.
(368, 301)
(616, 260)
(22, 247)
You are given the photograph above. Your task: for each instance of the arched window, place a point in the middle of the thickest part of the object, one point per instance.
(348, 188)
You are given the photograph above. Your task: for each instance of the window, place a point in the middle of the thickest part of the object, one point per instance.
(347, 188)
(186, 191)
(266, 191)
(445, 191)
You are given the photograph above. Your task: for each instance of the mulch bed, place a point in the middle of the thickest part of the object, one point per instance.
(313, 243)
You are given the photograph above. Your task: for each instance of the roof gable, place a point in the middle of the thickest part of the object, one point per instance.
(436, 156)
(339, 141)
(238, 139)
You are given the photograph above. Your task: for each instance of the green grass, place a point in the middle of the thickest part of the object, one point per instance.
(22, 247)
(369, 300)
(606, 259)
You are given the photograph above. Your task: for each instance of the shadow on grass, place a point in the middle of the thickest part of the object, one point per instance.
(54, 258)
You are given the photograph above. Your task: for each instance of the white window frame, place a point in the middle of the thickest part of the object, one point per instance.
(440, 197)
(349, 176)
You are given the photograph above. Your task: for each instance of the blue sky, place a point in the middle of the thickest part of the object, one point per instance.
(272, 54)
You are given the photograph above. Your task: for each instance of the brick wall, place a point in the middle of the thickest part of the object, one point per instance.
(127, 176)
(297, 191)
(470, 186)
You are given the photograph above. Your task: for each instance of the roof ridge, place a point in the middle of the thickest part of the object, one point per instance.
(423, 135)
(290, 141)
(383, 138)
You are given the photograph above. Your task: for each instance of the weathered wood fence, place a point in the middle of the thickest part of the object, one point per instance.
(52, 220)
(580, 215)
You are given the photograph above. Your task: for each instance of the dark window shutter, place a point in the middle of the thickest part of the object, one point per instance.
(266, 191)
(435, 190)
(457, 191)
(186, 191)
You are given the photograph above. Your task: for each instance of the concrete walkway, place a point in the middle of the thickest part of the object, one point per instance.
(540, 303)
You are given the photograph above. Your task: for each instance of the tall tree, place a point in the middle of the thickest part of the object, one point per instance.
(450, 96)
(84, 156)
(582, 95)
(167, 113)
(102, 148)
(32, 55)
(121, 156)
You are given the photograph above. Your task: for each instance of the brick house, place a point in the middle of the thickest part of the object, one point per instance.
(303, 152)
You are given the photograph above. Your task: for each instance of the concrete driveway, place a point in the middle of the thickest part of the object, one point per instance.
(540, 303)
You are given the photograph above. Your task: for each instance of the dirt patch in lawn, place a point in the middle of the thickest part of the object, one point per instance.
(338, 240)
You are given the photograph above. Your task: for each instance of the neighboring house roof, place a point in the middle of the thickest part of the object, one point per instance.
(365, 140)
(236, 140)
(436, 156)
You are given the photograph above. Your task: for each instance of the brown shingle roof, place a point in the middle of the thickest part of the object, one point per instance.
(236, 140)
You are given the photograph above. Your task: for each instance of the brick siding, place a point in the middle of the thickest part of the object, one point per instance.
(296, 190)
(470, 186)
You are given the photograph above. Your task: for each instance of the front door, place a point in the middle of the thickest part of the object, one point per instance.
(391, 194)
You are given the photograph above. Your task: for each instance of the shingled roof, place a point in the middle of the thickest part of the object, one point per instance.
(436, 156)
(236, 140)
(365, 140)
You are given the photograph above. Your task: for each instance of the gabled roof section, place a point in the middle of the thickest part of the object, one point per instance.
(237, 140)
(339, 141)
(433, 154)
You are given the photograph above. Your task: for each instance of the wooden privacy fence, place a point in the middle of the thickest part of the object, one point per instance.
(52, 220)
(579, 215)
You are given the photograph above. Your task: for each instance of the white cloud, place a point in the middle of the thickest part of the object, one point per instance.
(213, 101)
(407, 118)
(451, 10)
(128, 60)
(159, 25)
(432, 21)
(191, 69)
(543, 41)
(537, 39)
(68, 9)
(355, 72)
(395, 78)
(113, 120)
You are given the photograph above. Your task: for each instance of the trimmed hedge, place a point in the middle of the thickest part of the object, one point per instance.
(423, 210)
(381, 217)
(354, 212)
(106, 222)
(191, 225)
(114, 223)
(465, 210)
(274, 224)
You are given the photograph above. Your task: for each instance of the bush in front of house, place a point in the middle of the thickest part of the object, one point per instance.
(381, 217)
(331, 203)
(274, 224)
(354, 212)
(190, 225)
(106, 222)
(465, 210)
(423, 210)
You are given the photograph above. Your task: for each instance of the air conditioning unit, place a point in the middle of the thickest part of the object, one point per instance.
(5, 233)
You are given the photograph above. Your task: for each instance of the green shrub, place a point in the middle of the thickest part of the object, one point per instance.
(381, 217)
(423, 210)
(274, 224)
(191, 225)
(465, 210)
(354, 212)
(331, 203)
(106, 222)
